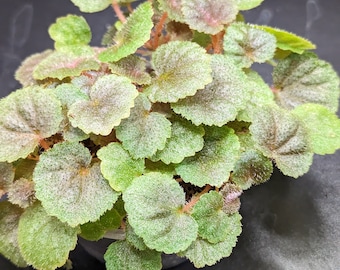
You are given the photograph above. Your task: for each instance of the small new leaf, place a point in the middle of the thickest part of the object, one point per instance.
(9, 221)
(153, 203)
(110, 100)
(245, 44)
(120, 255)
(323, 127)
(44, 241)
(118, 167)
(91, 6)
(209, 16)
(247, 4)
(300, 79)
(173, 9)
(133, 34)
(70, 30)
(281, 136)
(212, 165)
(27, 116)
(144, 132)
(69, 187)
(181, 68)
(221, 100)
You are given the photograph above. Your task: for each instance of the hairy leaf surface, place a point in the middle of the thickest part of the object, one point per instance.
(173, 8)
(247, 4)
(110, 100)
(212, 165)
(45, 242)
(153, 203)
(69, 187)
(6, 177)
(91, 6)
(181, 68)
(27, 116)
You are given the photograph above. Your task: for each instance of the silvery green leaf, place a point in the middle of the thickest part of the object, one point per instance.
(21, 192)
(173, 9)
(6, 177)
(247, 4)
(92, 6)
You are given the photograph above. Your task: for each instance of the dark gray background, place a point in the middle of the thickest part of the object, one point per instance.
(287, 224)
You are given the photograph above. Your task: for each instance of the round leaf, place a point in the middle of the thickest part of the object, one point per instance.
(27, 116)
(300, 79)
(91, 6)
(69, 187)
(181, 68)
(111, 98)
(173, 9)
(212, 165)
(247, 4)
(118, 167)
(45, 242)
(153, 203)
(221, 100)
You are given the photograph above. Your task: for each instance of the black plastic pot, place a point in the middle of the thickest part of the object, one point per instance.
(287, 224)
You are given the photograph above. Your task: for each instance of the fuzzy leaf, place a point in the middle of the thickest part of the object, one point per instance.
(288, 41)
(6, 177)
(27, 116)
(60, 65)
(45, 242)
(281, 136)
(209, 16)
(323, 127)
(118, 167)
(181, 68)
(132, 67)
(120, 255)
(91, 6)
(134, 239)
(110, 100)
(69, 187)
(203, 253)
(21, 192)
(220, 101)
(93, 231)
(300, 79)
(144, 132)
(212, 165)
(245, 44)
(247, 4)
(9, 220)
(186, 139)
(153, 203)
(24, 73)
(133, 34)
(173, 9)
(70, 30)
(213, 223)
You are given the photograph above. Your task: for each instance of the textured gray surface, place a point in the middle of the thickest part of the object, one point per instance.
(288, 224)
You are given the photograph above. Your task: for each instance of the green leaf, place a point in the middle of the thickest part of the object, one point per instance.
(203, 253)
(9, 220)
(181, 68)
(21, 192)
(110, 100)
(93, 231)
(153, 203)
(120, 255)
(220, 101)
(209, 16)
(133, 34)
(288, 41)
(245, 44)
(323, 127)
(45, 242)
(159, 166)
(6, 177)
(213, 223)
(70, 30)
(27, 116)
(212, 165)
(300, 79)
(144, 132)
(61, 65)
(231, 198)
(91, 6)
(69, 187)
(280, 135)
(132, 67)
(24, 73)
(173, 9)
(186, 139)
(247, 4)
(134, 239)
(118, 167)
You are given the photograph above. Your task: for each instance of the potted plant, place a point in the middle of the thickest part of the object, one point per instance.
(153, 137)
